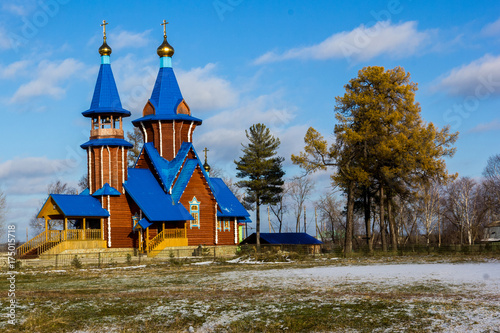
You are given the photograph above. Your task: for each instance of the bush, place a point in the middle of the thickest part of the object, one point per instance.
(129, 259)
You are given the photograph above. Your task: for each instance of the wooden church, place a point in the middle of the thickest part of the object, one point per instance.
(166, 200)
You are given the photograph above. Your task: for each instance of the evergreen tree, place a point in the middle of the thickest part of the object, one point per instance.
(261, 170)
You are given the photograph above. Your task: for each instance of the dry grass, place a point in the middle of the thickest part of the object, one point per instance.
(172, 298)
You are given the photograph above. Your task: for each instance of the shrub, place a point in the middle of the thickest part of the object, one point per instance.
(76, 263)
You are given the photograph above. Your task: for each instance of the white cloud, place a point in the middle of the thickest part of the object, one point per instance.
(487, 127)
(492, 29)
(31, 175)
(48, 80)
(203, 90)
(360, 44)
(124, 39)
(478, 78)
(14, 69)
(16, 9)
(223, 132)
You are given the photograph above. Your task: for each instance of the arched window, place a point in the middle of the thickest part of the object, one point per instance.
(194, 210)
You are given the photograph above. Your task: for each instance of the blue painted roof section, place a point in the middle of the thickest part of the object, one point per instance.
(166, 94)
(183, 179)
(106, 142)
(144, 223)
(106, 98)
(106, 190)
(157, 205)
(289, 238)
(85, 192)
(245, 220)
(168, 117)
(75, 205)
(230, 206)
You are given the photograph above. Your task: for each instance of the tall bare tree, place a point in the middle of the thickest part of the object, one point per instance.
(278, 209)
(300, 189)
(330, 214)
(136, 138)
(465, 207)
(428, 207)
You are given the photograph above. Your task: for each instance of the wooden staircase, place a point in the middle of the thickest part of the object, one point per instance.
(166, 238)
(39, 244)
(51, 238)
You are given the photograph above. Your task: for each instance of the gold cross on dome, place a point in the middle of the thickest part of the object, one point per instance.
(164, 24)
(103, 25)
(206, 150)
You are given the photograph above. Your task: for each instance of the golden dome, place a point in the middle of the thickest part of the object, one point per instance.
(104, 50)
(165, 49)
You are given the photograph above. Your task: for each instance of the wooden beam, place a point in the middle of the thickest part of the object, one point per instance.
(46, 228)
(65, 228)
(84, 226)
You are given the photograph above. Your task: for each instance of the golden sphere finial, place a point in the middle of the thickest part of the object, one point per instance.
(104, 50)
(165, 49)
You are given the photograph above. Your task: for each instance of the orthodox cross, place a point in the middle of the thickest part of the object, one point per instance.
(164, 24)
(103, 25)
(206, 150)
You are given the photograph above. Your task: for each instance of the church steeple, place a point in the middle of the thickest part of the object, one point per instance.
(107, 149)
(166, 120)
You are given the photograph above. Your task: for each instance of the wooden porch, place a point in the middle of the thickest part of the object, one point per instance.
(51, 239)
(167, 237)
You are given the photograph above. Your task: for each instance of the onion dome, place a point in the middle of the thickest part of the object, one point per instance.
(165, 49)
(105, 50)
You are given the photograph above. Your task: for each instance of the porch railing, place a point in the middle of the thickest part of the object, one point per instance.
(165, 234)
(50, 238)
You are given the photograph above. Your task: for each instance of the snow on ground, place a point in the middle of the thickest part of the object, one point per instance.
(477, 276)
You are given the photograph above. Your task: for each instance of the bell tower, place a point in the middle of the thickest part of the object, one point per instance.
(166, 119)
(106, 148)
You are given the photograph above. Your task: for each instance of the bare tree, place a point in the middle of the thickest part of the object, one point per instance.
(330, 216)
(281, 206)
(465, 207)
(428, 207)
(136, 138)
(492, 183)
(57, 187)
(300, 188)
(83, 183)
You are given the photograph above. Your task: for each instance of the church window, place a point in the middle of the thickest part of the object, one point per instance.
(194, 210)
(219, 225)
(227, 225)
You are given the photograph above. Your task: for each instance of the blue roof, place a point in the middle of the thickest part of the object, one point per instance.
(165, 99)
(106, 98)
(75, 205)
(144, 223)
(286, 238)
(85, 192)
(183, 179)
(106, 142)
(229, 204)
(106, 190)
(157, 205)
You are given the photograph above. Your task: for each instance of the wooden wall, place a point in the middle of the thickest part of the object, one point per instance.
(122, 235)
(227, 237)
(99, 168)
(198, 187)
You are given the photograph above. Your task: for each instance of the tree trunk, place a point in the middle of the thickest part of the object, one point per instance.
(257, 223)
(392, 225)
(349, 219)
(367, 202)
(382, 219)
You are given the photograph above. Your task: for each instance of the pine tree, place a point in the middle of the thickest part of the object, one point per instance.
(261, 170)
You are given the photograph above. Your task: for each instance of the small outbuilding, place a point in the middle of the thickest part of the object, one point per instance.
(287, 241)
(492, 232)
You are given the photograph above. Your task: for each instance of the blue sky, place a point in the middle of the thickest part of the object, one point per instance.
(238, 62)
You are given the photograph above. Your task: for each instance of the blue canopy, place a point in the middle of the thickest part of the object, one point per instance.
(74, 205)
(285, 238)
(106, 190)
